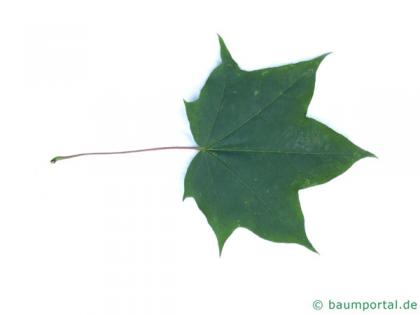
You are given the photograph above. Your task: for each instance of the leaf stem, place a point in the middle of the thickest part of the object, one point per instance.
(65, 157)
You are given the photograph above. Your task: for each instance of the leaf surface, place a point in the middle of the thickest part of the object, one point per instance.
(258, 148)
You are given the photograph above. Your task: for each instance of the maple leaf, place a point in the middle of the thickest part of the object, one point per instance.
(258, 149)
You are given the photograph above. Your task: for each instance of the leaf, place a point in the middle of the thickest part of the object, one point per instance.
(258, 149)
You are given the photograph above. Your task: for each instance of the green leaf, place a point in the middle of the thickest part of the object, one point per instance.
(258, 148)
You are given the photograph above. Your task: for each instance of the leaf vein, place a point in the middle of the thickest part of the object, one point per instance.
(280, 152)
(241, 181)
(218, 110)
(263, 108)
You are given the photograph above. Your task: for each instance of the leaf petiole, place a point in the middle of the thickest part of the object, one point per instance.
(65, 157)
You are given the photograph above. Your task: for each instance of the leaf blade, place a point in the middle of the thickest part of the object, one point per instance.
(259, 149)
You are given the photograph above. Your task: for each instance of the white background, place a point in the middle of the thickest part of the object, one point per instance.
(111, 235)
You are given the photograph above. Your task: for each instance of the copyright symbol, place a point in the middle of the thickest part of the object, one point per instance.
(317, 305)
